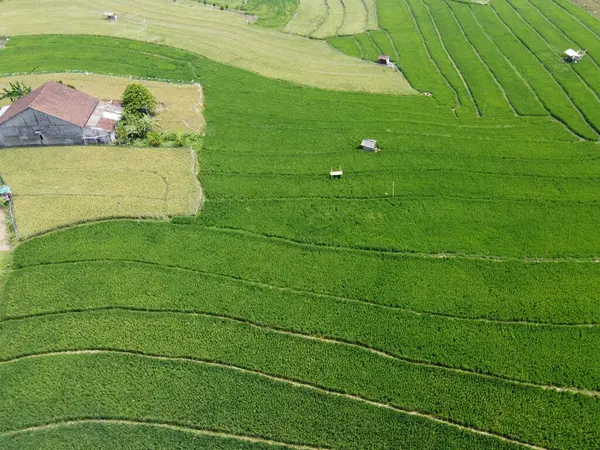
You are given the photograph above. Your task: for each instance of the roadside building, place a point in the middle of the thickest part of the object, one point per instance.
(55, 114)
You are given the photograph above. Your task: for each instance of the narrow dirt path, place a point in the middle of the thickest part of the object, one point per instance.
(4, 234)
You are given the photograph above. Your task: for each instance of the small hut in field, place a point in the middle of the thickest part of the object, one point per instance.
(369, 145)
(111, 15)
(384, 60)
(336, 173)
(574, 56)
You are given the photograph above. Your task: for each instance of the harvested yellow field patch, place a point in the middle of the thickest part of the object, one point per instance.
(58, 186)
(224, 36)
(181, 104)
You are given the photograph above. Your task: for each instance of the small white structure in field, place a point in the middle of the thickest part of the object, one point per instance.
(384, 60)
(336, 173)
(574, 56)
(111, 15)
(369, 145)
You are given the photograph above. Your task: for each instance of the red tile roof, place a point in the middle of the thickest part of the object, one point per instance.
(56, 100)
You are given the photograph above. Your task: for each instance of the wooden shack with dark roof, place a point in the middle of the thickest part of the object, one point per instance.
(55, 114)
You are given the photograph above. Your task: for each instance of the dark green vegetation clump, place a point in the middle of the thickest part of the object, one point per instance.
(138, 99)
(139, 105)
(442, 294)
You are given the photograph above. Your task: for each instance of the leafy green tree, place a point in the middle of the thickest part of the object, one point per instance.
(15, 91)
(137, 98)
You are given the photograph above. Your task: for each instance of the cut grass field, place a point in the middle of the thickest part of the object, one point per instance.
(442, 294)
(593, 6)
(327, 18)
(181, 105)
(224, 36)
(57, 186)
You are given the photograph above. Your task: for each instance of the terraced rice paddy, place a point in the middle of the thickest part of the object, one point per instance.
(443, 294)
(61, 186)
(501, 59)
(224, 36)
(327, 18)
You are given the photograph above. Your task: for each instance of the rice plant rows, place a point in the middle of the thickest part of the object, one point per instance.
(417, 61)
(557, 41)
(526, 352)
(519, 94)
(569, 83)
(576, 35)
(309, 16)
(347, 45)
(369, 51)
(486, 91)
(445, 288)
(129, 435)
(527, 413)
(510, 290)
(130, 387)
(333, 20)
(546, 86)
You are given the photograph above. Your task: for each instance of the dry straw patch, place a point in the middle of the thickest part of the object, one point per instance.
(224, 36)
(58, 186)
(182, 104)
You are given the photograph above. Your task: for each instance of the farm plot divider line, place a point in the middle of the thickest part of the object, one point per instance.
(169, 426)
(400, 253)
(292, 382)
(326, 295)
(319, 338)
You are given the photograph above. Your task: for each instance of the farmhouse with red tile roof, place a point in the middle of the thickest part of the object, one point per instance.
(55, 114)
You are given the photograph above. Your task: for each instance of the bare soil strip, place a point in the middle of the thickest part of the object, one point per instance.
(4, 234)
(289, 382)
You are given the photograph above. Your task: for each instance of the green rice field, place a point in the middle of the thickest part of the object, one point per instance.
(441, 294)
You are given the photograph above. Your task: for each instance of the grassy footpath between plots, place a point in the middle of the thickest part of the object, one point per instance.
(58, 186)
